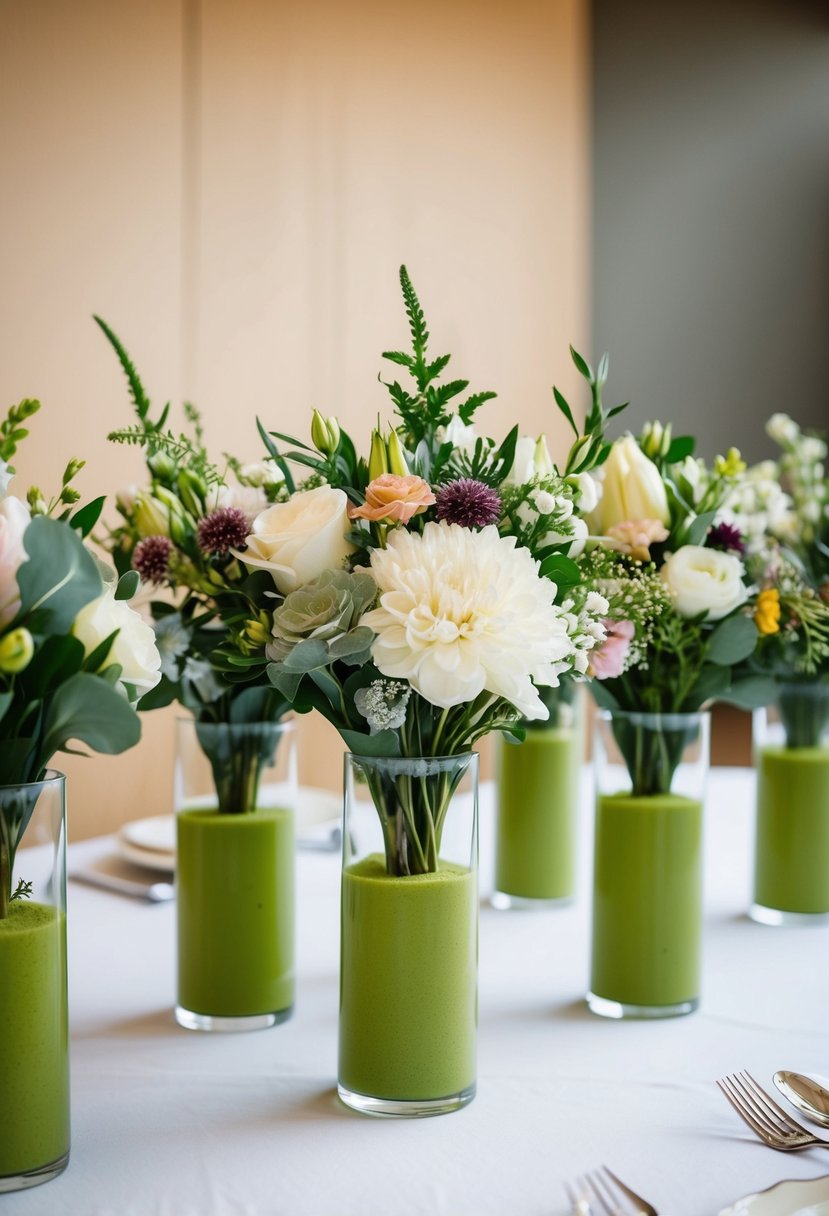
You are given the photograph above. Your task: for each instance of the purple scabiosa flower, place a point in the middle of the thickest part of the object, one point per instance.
(223, 529)
(727, 538)
(151, 558)
(468, 502)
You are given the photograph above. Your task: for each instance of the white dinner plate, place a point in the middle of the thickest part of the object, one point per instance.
(800, 1197)
(151, 842)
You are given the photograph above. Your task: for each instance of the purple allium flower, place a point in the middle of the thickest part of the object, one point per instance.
(468, 502)
(727, 538)
(223, 529)
(151, 558)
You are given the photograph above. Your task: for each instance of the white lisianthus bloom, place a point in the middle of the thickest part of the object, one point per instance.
(693, 472)
(262, 473)
(589, 491)
(704, 580)
(251, 500)
(462, 612)
(577, 537)
(782, 429)
(298, 539)
(633, 487)
(14, 520)
(523, 468)
(461, 435)
(134, 647)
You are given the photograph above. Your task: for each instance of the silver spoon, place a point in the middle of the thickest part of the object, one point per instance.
(805, 1094)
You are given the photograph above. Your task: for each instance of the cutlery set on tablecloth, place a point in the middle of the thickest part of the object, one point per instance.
(602, 1193)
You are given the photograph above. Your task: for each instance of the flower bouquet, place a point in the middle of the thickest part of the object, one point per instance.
(74, 659)
(679, 632)
(235, 766)
(790, 564)
(437, 602)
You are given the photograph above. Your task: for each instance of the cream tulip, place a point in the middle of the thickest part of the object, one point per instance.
(632, 488)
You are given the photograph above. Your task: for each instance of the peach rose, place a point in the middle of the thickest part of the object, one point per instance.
(635, 536)
(393, 497)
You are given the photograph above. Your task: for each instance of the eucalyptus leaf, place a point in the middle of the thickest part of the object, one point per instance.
(733, 640)
(710, 685)
(86, 518)
(87, 709)
(58, 579)
(697, 529)
(128, 584)
(384, 743)
(306, 655)
(753, 692)
(57, 658)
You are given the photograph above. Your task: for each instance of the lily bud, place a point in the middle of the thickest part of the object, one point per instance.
(542, 460)
(162, 466)
(193, 491)
(378, 461)
(37, 503)
(177, 520)
(16, 650)
(633, 487)
(655, 439)
(319, 433)
(579, 453)
(151, 517)
(397, 457)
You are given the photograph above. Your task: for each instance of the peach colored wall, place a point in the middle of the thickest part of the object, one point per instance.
(233, 186)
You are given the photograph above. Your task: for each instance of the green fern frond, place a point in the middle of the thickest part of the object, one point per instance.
(417, 321)
(139, 398)
(468, 407)
(180, 448)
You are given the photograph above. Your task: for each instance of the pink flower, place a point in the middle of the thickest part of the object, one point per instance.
(391, 496)
(635, 537)
(608, 660)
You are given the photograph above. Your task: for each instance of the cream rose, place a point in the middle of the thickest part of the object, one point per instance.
(632, 488)
(298, 539)
(134, 647)
(14, 520)
(704, 580)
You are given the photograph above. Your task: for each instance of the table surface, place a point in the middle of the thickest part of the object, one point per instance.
(168, 1122)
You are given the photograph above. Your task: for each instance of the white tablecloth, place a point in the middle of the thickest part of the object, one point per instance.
(168, 1122)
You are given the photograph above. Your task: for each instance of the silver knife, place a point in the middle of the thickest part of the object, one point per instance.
(154, 892)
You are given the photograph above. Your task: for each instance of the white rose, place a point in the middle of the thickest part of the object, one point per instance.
(633, 487)
(14, 520)
(134, 647)
(298, 539)
(704, 580)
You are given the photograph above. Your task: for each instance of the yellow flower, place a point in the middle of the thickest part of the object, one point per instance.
(767, 611)
(730, 465)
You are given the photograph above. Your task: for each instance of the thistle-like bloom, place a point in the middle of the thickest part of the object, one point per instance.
(727, 537)
(464, 612)
(222, 530)
(469, 503)
(151, 558)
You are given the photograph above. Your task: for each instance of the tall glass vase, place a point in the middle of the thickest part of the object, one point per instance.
(34, 1038)
(537, 799)
(647, 877)
(409, 935)
(791, 851)
(235, 793)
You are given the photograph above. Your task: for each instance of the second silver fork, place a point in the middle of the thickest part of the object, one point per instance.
(766, 1118)
(601, 1193)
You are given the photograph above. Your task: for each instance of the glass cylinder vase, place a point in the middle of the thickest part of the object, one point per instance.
(34, 1038)
(791, 849)
(536, 804)
(409, 935)
(647, 875)
(235, 794)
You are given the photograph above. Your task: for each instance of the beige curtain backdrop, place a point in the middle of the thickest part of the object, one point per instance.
(233, 186)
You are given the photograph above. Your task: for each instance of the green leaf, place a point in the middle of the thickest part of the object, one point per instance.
(582, 365)
(563, 405)
(98, 656)
(398, 356)
(710, 685)
(287, 682)
(57, 658)
(697, 530)
(384, 743)
(617, 409)
(753, 692)
(164, 693)
(58, 579)
(680, 447)
(88, 709)
(276, 456)
(357, 641)
(86, 518)
(128, 584)
(139, 398)
(306, 655)
(733, 640)
(6, 699)
(417, 321)
(561, 569)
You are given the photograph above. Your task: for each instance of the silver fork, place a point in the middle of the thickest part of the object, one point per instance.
(765, 1117)
(600, 1191)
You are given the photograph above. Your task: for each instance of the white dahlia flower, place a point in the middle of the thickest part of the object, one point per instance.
(462, 612)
